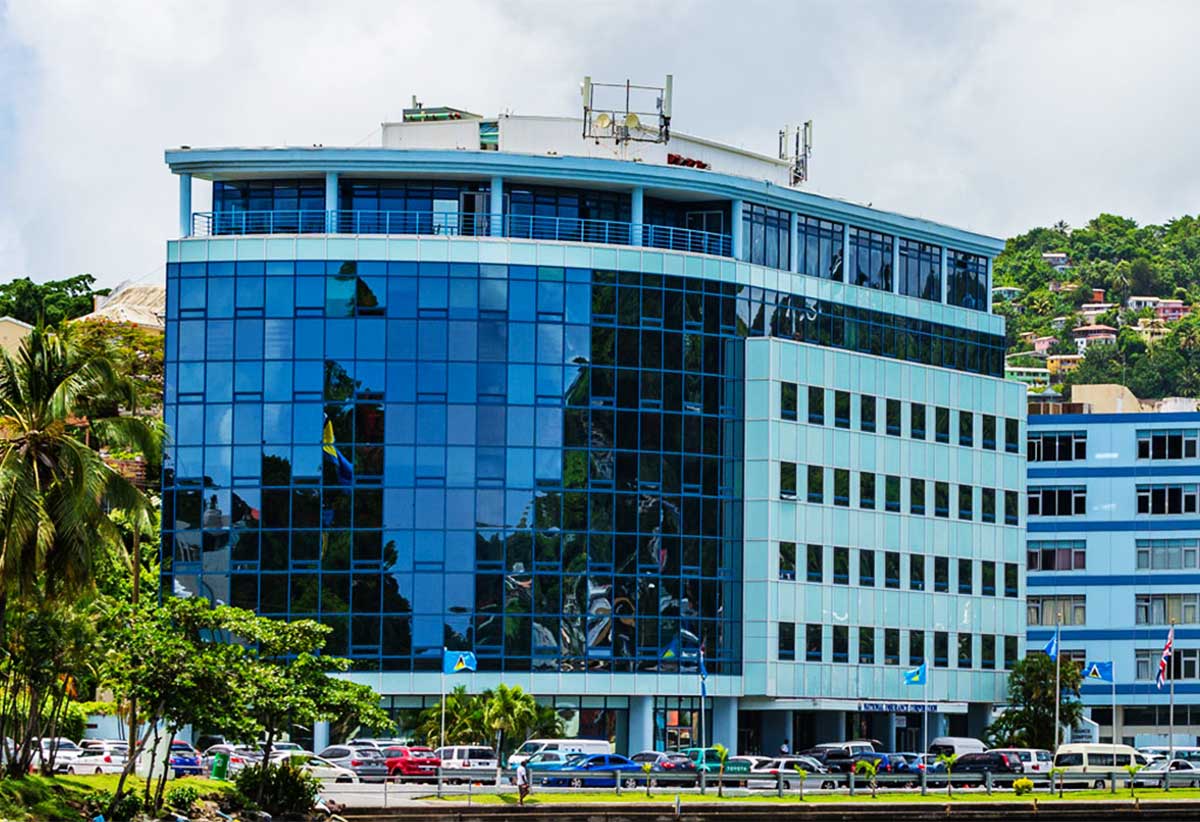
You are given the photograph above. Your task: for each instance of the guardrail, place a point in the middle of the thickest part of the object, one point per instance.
(459, 224)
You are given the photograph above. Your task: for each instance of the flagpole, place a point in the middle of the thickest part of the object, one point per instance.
(442, 737)
(1171, 714)
(1057, 673)
(925, 717)
(702, 745)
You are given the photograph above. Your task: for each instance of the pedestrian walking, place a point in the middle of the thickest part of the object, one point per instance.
(784, 750)
(522, 783)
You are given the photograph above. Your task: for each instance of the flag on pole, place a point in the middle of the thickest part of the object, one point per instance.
(1051, 647)
(916, 676)
(703, 675)
(1165, 660)
(1100, 671)
(457, 662)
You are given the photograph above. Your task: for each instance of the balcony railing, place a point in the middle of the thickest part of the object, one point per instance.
(455, 224)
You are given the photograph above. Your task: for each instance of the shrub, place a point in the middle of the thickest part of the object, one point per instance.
(285, 787)
(126, 808)
(183, 797)
(1023, 786)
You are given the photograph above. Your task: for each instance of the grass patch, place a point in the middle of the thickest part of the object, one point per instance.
(634, 796)
(59, 798)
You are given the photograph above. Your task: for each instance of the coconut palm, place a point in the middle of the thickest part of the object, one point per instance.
(507, 712)
(55, 489)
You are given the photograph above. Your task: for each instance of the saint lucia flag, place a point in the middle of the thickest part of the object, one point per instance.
(672, 650)
(916, 676)
(1051, 647)
(457, 662)
(1100, 671)
(334, 458)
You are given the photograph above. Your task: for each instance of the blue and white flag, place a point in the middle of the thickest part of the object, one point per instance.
(703, 675)
(1051, 647)
(457, 662)
(916, 676)
(1100, 671)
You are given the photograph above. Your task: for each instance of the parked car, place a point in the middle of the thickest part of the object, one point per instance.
(957, 745)
(1156, 752)
(411, 761)
(1033, 760)
(534, 746)
(598, 771)
(184, 759)
(550, 760)
(323, 769)
(886, 763)
(852, 747)
(1003, 767)
(105, 757)
(279, 746)
(930, 764)
(670, 765)
(467, 756)
(766, 775)
(708, 761)
(206, 741)
(1184, 774)
(366, 761)
(374, 742)
(63, 750)
(834, 760)
(240, 756)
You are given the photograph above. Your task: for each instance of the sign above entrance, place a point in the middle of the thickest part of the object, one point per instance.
(899, 707)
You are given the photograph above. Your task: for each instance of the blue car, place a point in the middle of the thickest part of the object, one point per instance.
(597, 771)
(185, 760)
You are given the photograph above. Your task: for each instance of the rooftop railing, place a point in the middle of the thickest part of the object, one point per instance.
(459, 224)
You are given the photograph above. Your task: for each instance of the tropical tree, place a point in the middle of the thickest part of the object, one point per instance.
(948, 760)
(803, 774)
(508, 712)
(722, 755)
(1029, 719)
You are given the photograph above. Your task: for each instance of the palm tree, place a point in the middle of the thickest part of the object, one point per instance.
(508, 712)
(870, 767)
(55, 489)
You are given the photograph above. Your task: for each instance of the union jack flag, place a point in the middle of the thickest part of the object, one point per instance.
(1161, 679)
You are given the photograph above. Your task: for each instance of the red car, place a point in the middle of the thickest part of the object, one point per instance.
(411, 761)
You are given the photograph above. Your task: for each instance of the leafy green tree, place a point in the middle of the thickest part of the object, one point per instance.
(1029, 721)
(948, 760)
(508, 713)
(51, 302)
(136, 354)
(870, 768)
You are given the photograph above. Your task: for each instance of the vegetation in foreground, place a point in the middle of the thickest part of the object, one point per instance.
(35, 798)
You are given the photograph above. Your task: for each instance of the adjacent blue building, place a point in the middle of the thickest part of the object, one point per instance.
(1114, 547)
(585, 408)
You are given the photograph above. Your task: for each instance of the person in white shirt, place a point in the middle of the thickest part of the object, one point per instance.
(522, 783)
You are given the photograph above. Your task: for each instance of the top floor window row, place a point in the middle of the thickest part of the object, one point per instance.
(1164, 444)
(1057, 446)
(823, 248)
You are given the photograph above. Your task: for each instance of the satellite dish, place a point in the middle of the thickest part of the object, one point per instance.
(632, 121)
(604, 121)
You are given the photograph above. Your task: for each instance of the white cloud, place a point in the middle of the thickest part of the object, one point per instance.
(994, 117)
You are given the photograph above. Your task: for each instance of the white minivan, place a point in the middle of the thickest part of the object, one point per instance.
(1096, 760)
(1034, 760)
(467, 756)
(564, 746)
(956, 745)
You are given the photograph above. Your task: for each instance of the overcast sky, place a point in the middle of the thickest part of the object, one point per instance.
(990, 116)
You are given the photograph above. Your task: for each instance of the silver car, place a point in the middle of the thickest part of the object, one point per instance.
(367, 762)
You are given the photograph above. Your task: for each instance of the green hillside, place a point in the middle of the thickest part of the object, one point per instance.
(1153, 357)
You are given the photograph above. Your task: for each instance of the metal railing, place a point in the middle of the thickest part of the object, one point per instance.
(459, 224)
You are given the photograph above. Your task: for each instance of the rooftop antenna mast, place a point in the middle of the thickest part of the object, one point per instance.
(626, 112)
(802, 139)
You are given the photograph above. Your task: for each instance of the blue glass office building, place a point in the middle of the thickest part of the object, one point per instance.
(586, 409)
(1114, 551)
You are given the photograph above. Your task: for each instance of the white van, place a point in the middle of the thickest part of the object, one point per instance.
(1096, 759)
(851, 748)
(467, 756)
(1034, 760)
(565, 746)
(956, 745)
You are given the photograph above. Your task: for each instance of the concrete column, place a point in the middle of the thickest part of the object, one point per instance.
(641, 723)
(637, 199)
(895, 271)
(776, 729)
(889, 731)
(496, 207)
(736, 238)
(937, 725)
(185, 205)
(331, 202)
(945, 275)
(794, 228)
(320, 736)
(988, 285)
(724, 722)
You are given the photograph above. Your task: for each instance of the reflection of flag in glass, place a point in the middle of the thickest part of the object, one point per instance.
(672, 651)
(334, 458)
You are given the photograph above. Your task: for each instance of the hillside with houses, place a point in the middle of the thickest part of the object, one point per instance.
(1110, 302)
